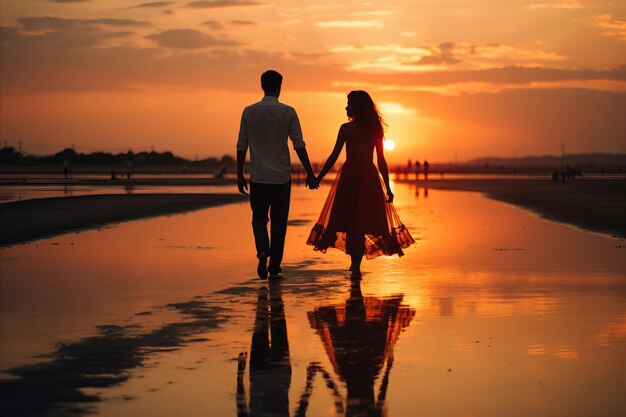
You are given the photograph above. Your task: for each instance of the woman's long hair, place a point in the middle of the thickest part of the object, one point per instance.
(364, 112)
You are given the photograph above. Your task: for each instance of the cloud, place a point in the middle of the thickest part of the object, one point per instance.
(187, 39)
(217, 25)
(155, 4)
(562, 4)
(399, 58)
(242, 23)
(614, 27)
(26, 59)
(348, 24)
(214, 4)
(58, 41)
(214, 24)
(445, 54)
(69, 1)
(35, 24)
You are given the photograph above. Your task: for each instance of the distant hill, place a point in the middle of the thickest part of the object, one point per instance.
(587, 161)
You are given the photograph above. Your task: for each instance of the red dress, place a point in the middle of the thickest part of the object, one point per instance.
(356, 217)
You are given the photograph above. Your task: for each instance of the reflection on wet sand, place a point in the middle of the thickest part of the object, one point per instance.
(359, 337)
(270, 368)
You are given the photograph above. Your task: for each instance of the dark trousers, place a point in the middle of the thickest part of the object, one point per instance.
(272, 198)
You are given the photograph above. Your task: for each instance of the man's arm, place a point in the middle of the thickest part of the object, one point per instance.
(304, 159)
(242, 149)
(241, 179)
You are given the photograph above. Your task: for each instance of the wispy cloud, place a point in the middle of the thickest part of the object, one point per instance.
(428, 58)
(613, 27)
(214, 4)
(69, 1)
(217, 25)
(154, 4)
(187, 39)
(350, 24)
(59, 23)
(562, 4)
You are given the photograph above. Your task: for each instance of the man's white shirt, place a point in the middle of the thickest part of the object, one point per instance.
(265, 129)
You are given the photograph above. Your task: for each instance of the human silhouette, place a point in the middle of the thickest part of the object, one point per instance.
(265, 129)
(66, 168)
(359, 337)
(357, 217)
(130, 171)
(270, 366)
(417, 170)
(409, 168)
(426, 167)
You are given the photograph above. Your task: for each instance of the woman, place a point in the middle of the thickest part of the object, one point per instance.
(357, 217)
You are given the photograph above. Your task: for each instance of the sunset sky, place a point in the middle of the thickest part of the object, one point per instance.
(453, 78)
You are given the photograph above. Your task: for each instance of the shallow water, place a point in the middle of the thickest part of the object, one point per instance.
(493, 312)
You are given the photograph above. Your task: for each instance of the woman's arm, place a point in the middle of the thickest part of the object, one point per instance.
(334, 154)
(383, 168)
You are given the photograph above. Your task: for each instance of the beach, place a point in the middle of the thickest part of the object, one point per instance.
(27, 220)
(163, 317)
(594, 205)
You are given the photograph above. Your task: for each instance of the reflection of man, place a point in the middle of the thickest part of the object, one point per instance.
(270, 367)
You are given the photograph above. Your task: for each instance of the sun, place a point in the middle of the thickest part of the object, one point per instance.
(389, 144)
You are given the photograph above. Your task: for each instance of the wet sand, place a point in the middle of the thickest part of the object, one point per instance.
(24, 221)
(163, 317)
(596, 205)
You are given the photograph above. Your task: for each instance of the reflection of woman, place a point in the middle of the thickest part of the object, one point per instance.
(357, 217)
(270, 367)
(359, 338)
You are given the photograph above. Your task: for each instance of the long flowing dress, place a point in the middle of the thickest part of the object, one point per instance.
(356, 217)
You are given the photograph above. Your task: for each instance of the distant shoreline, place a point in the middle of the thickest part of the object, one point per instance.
(28, 220)
(594, 205)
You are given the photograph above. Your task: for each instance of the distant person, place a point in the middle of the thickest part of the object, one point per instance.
(265, 128)
(409, 169)
(129, 166)
(358, 218)
(417, 170)
(66, 168)
(426, 167)
(221, 171)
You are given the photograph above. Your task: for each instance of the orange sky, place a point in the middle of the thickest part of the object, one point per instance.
(452, 77)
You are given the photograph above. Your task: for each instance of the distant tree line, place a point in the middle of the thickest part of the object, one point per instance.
(10, 157)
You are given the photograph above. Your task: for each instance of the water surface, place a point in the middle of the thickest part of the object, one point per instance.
(493, 312)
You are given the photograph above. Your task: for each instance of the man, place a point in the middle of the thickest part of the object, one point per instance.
(265, 128)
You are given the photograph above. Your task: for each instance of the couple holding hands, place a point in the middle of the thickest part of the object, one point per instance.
(358, 216)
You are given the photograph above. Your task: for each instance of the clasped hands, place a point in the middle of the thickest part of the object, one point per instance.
(312, 182)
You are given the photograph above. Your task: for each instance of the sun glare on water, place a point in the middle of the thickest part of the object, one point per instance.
(389, 144)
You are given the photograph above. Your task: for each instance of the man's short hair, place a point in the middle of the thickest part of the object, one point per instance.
(271, 81)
